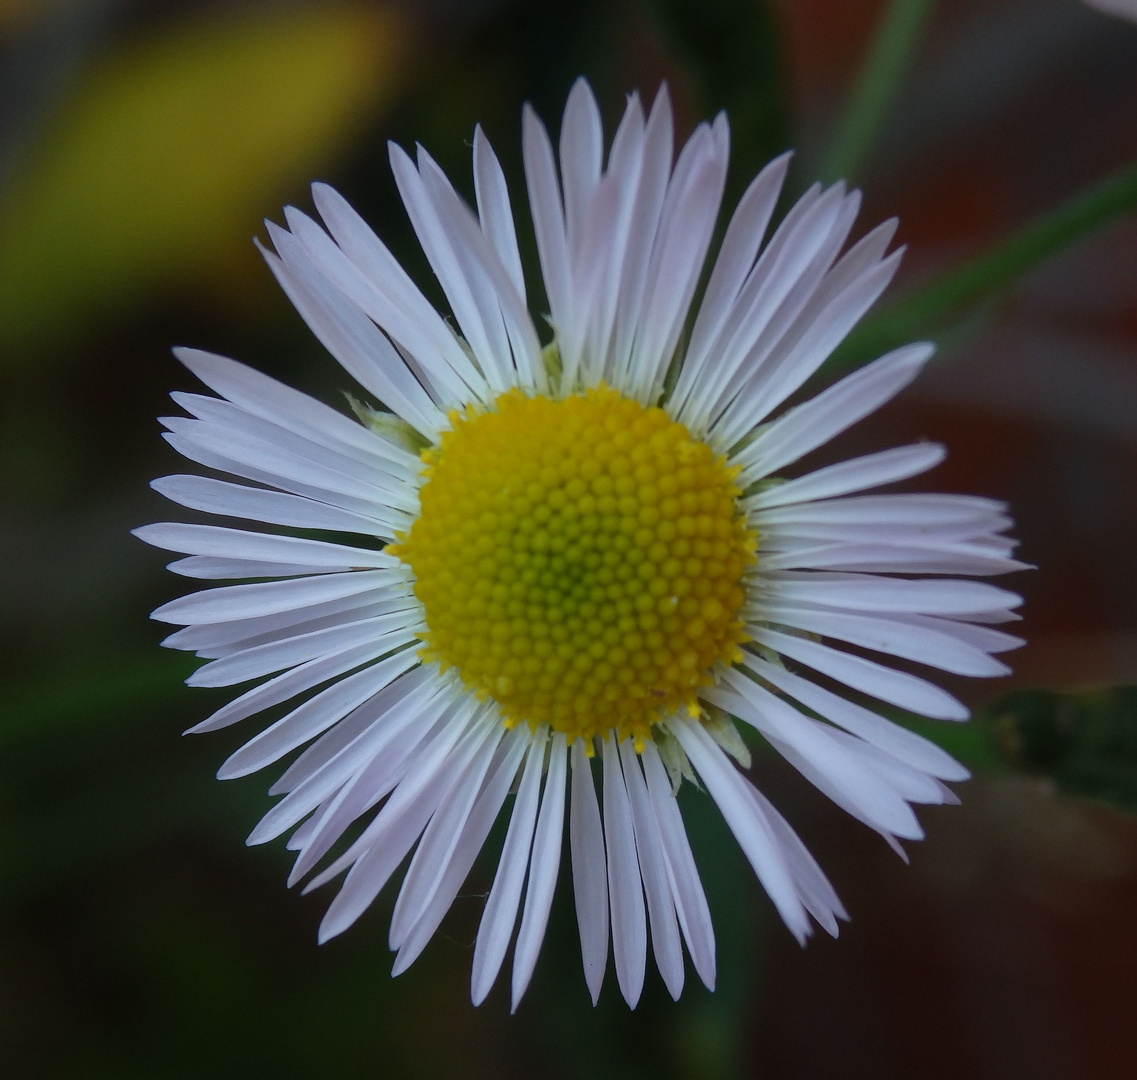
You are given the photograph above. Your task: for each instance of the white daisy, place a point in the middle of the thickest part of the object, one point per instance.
(576, 559)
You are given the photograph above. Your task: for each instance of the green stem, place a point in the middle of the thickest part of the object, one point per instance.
(876, 86)
(946, 298)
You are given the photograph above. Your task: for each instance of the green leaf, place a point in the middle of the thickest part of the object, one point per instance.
(950, 302)
(1084, 741)
(168, 153)
(876, 86)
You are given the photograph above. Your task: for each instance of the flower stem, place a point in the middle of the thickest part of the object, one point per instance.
(940, 304)
(876, 86)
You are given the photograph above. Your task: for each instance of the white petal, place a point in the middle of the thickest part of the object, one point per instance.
(394, 481)
(414, 798)
(544, 863)
(270, 597)
(812, 884)
(867, 592)
(415, 692)
(921, 643)
(581, 147)
(315, 715)
(245, 455)
(655, 170)
(440, 840)
(366, 788)
(266, 547)
(473, 836)
(589, 871)
(393, 833)
(549, 229)
(500, 914)
(212, 640)
(288, 685)
(832, 411)
(690, 900)
(350, 336)
(732, 265)
(874, 802)
(685, 229)
(896, 687)
(377, 726)
(777, 379)
(779, 286)
(871, 470)
(963, 557)
(625, 890)
(383, 289)
(746, 821)
(262, 396)
(256, 504)
(653, 870)
(499, 303)
(494, 210)
(391, 631)
(902, 744)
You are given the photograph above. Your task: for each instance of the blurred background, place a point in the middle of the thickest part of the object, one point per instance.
(142, 142)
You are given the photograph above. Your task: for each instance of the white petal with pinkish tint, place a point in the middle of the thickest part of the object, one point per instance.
(500, 915)
(831, 412)
(397, 827)
(470, 842)
(867, 592)
(895, 687)
(625, 887)
(856, 474)
(353, 339)
(654, 872)
(909, 641)
(440, 839)
(315, 715)
(746, 821)
(902, 744)
(544, 862)
(494, 211)
(731, 270)
(261, 396)
(690, 901)
(793, 361)
(808, 740)
(589, 873)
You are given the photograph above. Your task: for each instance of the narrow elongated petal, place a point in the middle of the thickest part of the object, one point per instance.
(589, 875)
(500, 914)
(629, 922)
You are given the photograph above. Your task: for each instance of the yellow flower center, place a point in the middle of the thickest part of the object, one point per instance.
(580, 561)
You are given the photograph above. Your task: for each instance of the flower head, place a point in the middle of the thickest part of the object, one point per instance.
(577, 558)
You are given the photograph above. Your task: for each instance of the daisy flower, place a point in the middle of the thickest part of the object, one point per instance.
(568, 570)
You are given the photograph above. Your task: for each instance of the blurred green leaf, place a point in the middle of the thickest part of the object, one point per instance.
(1084, 741)
(168, 152)
(949, 302)
(876, 86)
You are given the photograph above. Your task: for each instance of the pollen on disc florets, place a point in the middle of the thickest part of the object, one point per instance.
(579, 560)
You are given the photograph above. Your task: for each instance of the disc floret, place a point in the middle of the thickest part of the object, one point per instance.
(580, 560)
